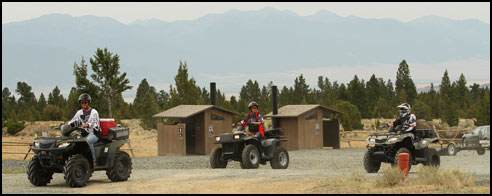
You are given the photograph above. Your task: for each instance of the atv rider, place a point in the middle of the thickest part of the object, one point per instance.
(87, 118)
(407, 120)
(255, 120)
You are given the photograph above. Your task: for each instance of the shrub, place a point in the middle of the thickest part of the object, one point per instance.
(391, 177)
(351, 117)
(448, 178)
(14, 125)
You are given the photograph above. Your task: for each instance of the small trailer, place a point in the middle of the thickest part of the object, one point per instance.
(477, 139)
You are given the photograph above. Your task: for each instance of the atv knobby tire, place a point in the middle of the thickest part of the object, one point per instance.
(216, 160)
(370, 164)
(122, 167)
(37, 175)
(433, 158)
(77, 171)
(250, 157)
(480, 150)
(280, 158)
(403, 150)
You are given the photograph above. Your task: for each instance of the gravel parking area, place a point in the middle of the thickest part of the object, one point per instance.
(191, 174)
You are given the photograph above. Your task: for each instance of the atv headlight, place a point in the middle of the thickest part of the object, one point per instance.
(36, 144)
(217, 138)
(393, 140)
(237, 136)
(63, 145)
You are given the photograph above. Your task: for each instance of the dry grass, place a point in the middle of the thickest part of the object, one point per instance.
(391, 177)
(428, 180)
(17, 171)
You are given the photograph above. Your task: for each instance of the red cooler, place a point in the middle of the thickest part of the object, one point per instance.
(106, 123)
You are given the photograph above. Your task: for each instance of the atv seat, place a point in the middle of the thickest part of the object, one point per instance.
(425, 133)
(101, 142)
(274, 133)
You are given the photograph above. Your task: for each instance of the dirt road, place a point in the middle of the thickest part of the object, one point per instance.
(190, 174)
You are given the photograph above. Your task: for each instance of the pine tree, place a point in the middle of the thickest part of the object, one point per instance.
(27, 103)
(422, 110)
(186, 91)
(357, 96)
(448, 111)
(41, 103)
(106, 73)
(149, 108)
(301, 90)
(56, 98)
(73, 104)
(405, 82)
(84, 85)
(462, 93)
(483, 110)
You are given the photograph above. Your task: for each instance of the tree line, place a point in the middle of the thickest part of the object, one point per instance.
(375, 98)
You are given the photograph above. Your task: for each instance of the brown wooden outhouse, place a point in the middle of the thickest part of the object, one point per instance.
(305, 127)
(194, 129)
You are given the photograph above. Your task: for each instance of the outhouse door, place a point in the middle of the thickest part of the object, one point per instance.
(331, 134)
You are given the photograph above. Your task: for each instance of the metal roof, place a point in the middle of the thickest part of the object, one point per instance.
(185, 111)
(297, 110)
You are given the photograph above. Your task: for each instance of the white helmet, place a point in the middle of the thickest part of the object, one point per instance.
(404, 109)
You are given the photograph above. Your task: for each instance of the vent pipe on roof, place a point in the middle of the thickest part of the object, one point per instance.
(212, 93)
(275, 106)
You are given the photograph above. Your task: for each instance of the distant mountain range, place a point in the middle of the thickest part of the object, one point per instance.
(236, 45)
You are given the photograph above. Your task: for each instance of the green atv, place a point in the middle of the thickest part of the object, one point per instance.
(71, 155)
(387, 146)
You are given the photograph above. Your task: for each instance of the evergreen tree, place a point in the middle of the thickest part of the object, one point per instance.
(301, 90)
(27, 103)
(84, 85)
(106, 73)
(41, 103)
(482, 113)
(374, 91)
(422, 110)
(448, 111)
(142, 90)
(149, 109)
(342, 93)
(186, 91)
(8, 105)
(403, 96)
(162, 100)
(56, 98)
(357, 96)
(205, 96)
(382, 109)
(405, 82)
(73, 104)
(445, 87)
(462, 93)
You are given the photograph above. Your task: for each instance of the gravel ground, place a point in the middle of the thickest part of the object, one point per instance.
(193, 172)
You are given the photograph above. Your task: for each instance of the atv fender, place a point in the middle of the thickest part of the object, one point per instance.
(113, 148)
(269, 146)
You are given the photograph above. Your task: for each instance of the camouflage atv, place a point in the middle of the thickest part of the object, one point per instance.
(71, 155)
(387, 146)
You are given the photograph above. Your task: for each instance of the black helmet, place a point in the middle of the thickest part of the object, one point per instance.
(85, 97)
(252, 104)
